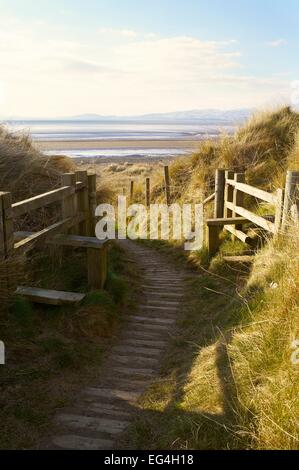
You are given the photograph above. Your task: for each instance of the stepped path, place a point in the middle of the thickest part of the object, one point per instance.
(103, 411)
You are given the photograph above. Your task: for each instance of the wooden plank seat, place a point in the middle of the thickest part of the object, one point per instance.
(50, 297)
(97, 254)
(214, 227)
(78, 241)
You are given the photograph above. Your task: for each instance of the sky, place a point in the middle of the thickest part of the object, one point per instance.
(61, 58)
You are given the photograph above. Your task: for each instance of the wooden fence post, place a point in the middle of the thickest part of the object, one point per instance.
(92, 196)
(228, 193)
(97, 263)
(2, 238)
(278, 210)
(290, 190)
(131, 191)
(167, 184)
(6, 233)
(238, 198)
(82, 202)
(219, 194)
(147, 192)
(69, 202)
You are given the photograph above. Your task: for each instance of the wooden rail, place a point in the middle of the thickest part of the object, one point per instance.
(77, 198)
(230, 188)
(230, 213)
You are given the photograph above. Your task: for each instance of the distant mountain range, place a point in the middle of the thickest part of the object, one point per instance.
(200, 116)
(205, 115)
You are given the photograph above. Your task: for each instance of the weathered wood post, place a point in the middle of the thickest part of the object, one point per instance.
(97, 262)
(131, 191)
(290, 190)
(167, 184)
(219, 193)
(92, 199)
(2, 236)
(228, 193)
(147, 192)
(6, 234)
(278, 210)
(238, 198)
(212, 241)
(82, 201)
(69, 202)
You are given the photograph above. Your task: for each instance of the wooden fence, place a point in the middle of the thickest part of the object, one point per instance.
(230, 211)
(231, 215)
(77, 199)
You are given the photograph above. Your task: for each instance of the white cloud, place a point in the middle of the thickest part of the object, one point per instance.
(123, 73)
(127, 33)
(277, 43)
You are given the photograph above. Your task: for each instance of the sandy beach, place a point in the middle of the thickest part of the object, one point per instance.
(116, 144)
(117, 171)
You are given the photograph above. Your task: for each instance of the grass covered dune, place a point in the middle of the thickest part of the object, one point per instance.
(228, 380)
(51, 352)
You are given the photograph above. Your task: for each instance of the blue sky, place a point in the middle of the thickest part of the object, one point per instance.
(126, 56)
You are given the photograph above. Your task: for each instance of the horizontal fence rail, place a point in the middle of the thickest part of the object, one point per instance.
(77, 198)
(231, 215)
(252, 191)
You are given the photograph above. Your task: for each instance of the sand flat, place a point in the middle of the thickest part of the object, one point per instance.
(116, 144)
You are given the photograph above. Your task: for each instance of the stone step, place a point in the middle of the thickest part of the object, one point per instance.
(74, 442)
(92, 424)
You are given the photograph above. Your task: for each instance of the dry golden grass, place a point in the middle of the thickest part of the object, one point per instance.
(229, 382)
(24, 171)
(266, 146)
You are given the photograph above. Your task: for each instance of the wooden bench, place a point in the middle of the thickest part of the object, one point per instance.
(50, 297)
(97, 254)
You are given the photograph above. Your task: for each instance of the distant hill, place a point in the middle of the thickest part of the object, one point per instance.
(204, 116)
